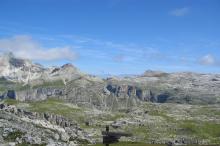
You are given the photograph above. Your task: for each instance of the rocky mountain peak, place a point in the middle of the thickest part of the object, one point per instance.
(18, 69)
(23, 70)
(8, 59)
(69, 68)
(67, 65)
(151, 73)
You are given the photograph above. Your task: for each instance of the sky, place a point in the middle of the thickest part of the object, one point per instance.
(114, 36)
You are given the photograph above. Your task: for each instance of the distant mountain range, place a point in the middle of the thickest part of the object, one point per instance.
(63, 106)
(32, 81)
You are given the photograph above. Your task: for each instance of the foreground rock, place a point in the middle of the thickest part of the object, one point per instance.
(23, 127)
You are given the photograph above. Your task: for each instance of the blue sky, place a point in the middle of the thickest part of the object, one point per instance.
(114, 36)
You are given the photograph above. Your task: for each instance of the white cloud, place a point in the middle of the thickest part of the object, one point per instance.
(24, 46)
(208, 60)
(180, 11)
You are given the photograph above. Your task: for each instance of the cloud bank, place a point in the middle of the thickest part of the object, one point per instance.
(209, 60)
(24, 46)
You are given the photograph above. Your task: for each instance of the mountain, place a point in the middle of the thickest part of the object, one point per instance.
(63, 106)
(25, 71)
(67, 82)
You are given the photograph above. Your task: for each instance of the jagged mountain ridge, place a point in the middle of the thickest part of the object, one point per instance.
(25, 71)
(68, 83)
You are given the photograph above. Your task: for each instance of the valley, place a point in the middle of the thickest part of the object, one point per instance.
(63, 106)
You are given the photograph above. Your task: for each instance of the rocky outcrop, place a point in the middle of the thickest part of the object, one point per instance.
(38, 128)
(28, 81)
(34, 94)
(129, 91)
(11, 94)
(40, 94)
(53, 119)
(139, 93)
(26, 72)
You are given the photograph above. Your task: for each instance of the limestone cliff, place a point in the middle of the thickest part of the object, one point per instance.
(23, 80)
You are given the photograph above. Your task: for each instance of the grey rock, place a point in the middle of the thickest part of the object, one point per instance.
(56, 136)
(64, 137)
(112, 93)
(11, 144)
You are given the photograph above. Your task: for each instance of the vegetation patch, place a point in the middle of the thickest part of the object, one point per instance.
(161, 114)
(20, 87)
(114, 117)
(54, 106)
(11, 101)
(203, 130)
(27, 144)
(57, 107)
(13, 135)
(208, 111)
(130, 144)
(142, 131)
(81, 141)
(57, 83)
(5, 84)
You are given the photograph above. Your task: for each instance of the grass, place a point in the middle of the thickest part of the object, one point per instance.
(203, 130)
(12, 86)
(129, 144)
(13, 135)
(27, 144)
(189, 127)
(81, 141)
(209, 131)
(54, 106)
(161, 114)
(11, 101)
(2, 89)
(4, 81)
(57, 83)
(208, 111)
(114, 117)
(4, 84)
(20, 87)
(58, 107)
(140, 131)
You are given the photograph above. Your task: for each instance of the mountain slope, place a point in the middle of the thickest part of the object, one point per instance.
(34, 82)
(62, 106)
